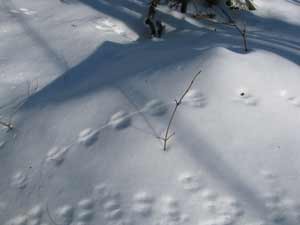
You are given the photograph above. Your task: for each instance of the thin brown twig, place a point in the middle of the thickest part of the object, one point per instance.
(177, 104)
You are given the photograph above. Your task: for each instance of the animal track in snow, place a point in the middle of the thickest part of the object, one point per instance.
(155, 108)
(84, 216)
(85, 212)
(109, 201)
(245, 97)
(280, 206)
(88, 136)
(57, 155)
(86, 203)
(226, 211)
(112, 209)
(170, 208)
(294, 100)
(23, 11)
(120, 120)
(27, 11)
(35, 215)
(18, 220)
(19, 180)
(209, 195)
(143, 203)
(190, 182)
(229, 207)
(65, 214)
(170, 212)
(101, 192)
(195, 99)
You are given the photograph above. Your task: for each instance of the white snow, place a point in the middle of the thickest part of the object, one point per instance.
(90, 96)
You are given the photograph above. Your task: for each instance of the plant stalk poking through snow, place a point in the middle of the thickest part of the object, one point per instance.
(167, 137)
(243, 33)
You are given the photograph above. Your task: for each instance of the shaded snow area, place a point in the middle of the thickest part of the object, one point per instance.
(90, 95)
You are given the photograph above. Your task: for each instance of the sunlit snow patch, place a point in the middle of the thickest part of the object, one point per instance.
(115, 26)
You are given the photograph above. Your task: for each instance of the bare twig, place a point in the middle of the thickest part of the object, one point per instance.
(8, 125)
(167, 137)
(231, 22)
(243, 33)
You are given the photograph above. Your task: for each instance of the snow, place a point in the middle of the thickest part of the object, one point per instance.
(90, 96)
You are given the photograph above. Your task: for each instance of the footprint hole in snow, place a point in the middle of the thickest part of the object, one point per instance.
(169, 201)
(143, 197)
(23, 9)
(88, 136)
(56, 155)
(114, 214)
(142, 209)
(155, 108)
(186, 177)
(209, 195)
(19, 220)
(296, 102)
(19, 180)
(86, 203)
(111, 205)
(14, 11)
(85, 215)
(65, 213)
(120, 120)
(101, 192)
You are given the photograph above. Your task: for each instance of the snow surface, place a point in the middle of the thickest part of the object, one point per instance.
(90, 95)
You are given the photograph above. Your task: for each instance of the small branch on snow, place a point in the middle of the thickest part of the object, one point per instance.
(167, 137)
(242, 31)
(8, 125)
